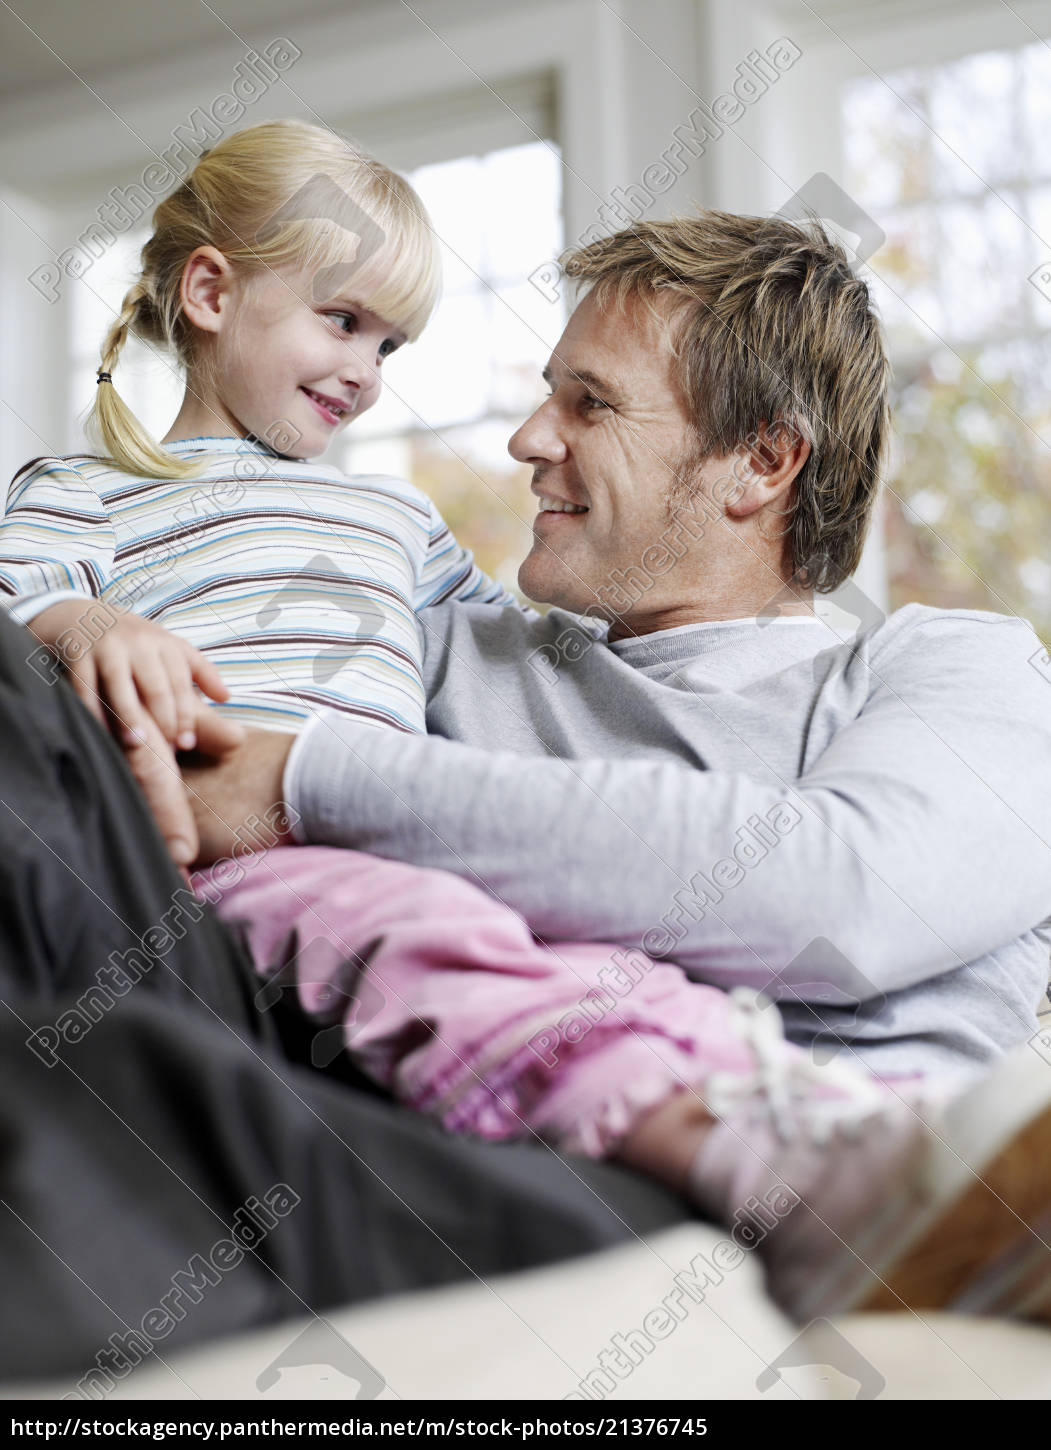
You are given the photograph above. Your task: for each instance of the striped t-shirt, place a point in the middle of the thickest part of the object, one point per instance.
(298, 582)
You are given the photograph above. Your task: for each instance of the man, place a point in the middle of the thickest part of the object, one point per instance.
(792, 813)
(708, 778)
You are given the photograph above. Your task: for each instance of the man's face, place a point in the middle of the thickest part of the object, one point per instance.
(614, 442)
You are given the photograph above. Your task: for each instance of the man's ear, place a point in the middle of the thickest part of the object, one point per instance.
(205, 288)
(766, 467)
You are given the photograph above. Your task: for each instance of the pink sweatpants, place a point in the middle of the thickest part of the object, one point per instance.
(443, 996)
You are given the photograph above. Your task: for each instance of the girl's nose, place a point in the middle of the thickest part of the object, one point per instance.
(359, 373)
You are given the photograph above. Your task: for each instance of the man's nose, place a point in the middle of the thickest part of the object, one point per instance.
(538, 440)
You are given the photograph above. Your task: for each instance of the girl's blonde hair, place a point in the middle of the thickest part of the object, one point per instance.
(282, 194)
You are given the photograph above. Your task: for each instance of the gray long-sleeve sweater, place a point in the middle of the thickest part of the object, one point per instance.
(862, 829)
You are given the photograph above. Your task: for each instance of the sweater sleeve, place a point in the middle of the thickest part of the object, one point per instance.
(56, 539)
(919, 839)
(449, 571)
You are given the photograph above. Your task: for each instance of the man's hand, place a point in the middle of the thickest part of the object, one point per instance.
(236, 797)
(154, 766)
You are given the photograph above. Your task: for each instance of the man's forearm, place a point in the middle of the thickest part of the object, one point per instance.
(731, 876)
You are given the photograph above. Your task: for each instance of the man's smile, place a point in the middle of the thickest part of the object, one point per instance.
(549, 505)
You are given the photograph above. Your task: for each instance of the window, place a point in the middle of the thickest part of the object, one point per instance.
(453, 398)
(956, 169)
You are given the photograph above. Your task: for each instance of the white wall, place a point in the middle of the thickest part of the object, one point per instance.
(33, 397)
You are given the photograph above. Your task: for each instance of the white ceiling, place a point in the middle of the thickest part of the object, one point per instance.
(94, 38)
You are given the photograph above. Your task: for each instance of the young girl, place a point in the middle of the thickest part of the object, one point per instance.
(282, 274)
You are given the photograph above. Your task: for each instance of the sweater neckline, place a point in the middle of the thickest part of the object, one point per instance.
(685, 641)
(206, 443)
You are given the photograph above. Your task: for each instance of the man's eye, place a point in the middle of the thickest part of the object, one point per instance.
(592, 404)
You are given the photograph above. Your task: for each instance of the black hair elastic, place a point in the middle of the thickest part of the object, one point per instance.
(103, 378)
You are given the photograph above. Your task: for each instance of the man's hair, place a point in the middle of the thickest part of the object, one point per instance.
(769, 326)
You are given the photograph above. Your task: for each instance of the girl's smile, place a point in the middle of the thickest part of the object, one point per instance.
(333, 410)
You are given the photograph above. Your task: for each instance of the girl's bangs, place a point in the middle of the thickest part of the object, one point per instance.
(400, 280)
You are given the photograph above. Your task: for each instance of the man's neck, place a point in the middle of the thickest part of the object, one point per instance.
(787, 601)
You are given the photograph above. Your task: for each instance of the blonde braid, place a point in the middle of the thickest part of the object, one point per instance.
(123, 438)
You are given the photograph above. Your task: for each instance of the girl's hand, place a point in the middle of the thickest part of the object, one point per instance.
(128, 670)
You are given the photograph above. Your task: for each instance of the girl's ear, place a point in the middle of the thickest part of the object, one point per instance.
(205, 289)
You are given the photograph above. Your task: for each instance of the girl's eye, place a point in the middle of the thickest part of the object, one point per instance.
(387, 346)
(345, 321)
